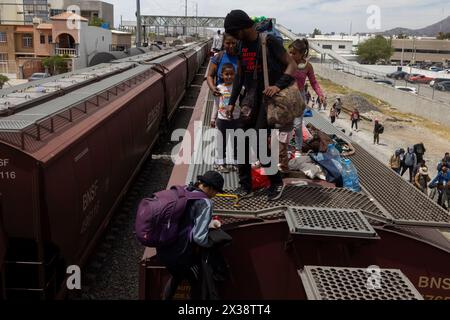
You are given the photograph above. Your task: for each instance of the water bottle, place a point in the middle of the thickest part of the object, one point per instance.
(350, 176)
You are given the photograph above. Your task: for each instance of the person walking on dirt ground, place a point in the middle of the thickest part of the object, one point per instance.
(338, 105)
(410, 163)
(421, 164)
(355, 118)
(444, 162)
(333, 114)
(307, 95)
(419, 150)
(442, 183)
(253, 111)
(395, 162)
(377, 130)
(422, 179)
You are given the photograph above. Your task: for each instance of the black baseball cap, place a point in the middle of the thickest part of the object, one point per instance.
(213, 179)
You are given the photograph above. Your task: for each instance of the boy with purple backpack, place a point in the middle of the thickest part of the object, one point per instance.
(177, 223)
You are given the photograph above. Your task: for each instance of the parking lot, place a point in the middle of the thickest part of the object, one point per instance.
(424, 90)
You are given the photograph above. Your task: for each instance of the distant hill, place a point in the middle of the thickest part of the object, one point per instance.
(430, 31)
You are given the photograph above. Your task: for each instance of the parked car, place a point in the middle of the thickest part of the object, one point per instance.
(445, 71)
(381, 81)
(437, 80)
(407, 89)
(411, 75)
(421, 79)
(339, 68)
(371, 77)
(443, 86)
(399, 75)
(38, 76)
(435, 69)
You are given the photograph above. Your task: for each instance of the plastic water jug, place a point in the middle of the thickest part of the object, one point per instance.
(350, 176)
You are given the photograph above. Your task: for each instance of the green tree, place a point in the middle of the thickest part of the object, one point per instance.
(373, 50)
(443, 36)
(316, 32)
(96, 22)
(56, 64)
(3, 79)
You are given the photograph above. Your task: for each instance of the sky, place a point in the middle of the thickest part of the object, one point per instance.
(302, 16)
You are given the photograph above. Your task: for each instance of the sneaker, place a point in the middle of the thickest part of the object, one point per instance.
(243, 193)
(275, 192)
(223, 169)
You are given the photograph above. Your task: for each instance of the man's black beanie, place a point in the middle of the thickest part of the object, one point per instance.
(237, 20)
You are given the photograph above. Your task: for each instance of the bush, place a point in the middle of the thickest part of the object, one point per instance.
(3, 79)
(56, 64)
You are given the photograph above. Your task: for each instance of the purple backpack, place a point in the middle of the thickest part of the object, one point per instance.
(158, 219)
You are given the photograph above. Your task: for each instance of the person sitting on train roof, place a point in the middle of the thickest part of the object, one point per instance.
(183, 258)
(253, 113)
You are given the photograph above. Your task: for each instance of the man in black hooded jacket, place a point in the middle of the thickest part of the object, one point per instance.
(250, 75)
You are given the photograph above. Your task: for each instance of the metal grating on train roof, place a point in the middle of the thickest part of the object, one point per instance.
(402, 200)
(308, 196)
(24, 119)
(334, 283)
(329, 222)
(23, 95)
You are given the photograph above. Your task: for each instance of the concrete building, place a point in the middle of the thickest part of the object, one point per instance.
(79, 41)
(419, 50)
(23, 47)
(17, 12)
(88, 9)
(121, 40)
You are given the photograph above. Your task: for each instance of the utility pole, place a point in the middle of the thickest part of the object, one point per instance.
(185, 16)
(196, 19)
(138, 24)
(403, 51)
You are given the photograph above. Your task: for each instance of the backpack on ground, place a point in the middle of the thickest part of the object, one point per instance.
(158, 218)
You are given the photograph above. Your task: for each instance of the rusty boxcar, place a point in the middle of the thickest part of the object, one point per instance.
(66, 164)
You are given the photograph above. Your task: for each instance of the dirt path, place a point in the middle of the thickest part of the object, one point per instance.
(405, 130)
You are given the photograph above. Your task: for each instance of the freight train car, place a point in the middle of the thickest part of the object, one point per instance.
(319, 242)
(66, 164)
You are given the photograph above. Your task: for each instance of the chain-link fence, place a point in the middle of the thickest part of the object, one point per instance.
(424, 90)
